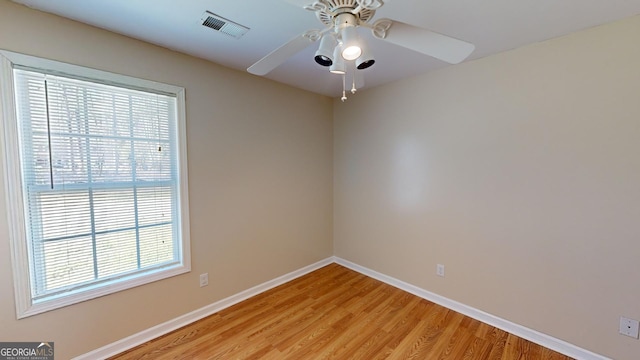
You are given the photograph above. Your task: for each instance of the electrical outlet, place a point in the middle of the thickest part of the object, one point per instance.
(440, 270)
(629, 327)
(204, 279)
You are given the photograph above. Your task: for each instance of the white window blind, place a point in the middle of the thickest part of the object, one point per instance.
(100, 181)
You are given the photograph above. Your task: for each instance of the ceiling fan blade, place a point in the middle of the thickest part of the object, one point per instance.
(280, 55)
(430, 43)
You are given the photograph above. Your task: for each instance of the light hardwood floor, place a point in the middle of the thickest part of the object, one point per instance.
(337, 313)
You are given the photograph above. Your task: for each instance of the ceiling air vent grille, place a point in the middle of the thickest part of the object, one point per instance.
(227, 27)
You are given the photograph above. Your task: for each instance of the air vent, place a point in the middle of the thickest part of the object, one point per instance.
(227, 27)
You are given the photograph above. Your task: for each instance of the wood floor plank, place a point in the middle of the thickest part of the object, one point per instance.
(415, 343)
(363, 328)
(444, 341)
(478, 349)
(499, 338)
(335, 313)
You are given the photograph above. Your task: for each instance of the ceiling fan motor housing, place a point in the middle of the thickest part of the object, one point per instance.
(327, 11)
(346, 19)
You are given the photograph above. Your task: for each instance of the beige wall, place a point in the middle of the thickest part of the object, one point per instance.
(260, 182)
(519, 172)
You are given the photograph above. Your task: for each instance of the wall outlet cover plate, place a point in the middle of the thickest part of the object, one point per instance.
(629, 327)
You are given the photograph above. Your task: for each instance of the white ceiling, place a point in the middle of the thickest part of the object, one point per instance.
(492, 25)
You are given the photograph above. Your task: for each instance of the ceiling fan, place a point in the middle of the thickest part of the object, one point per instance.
(340, 43)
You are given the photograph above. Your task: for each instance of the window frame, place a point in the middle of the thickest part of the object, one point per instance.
(13, 183)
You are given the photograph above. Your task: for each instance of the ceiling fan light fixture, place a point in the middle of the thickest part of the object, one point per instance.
(343, 20)
(351, 48)
(361, 65)
(365, 60)
(324, 55)
(338, 66)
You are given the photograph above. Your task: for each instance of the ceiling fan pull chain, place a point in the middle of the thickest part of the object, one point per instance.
(344, 90)
(353, 79)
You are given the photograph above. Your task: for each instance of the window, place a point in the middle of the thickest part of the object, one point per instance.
(95, 166)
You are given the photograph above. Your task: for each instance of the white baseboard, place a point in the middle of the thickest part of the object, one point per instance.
(545, 340)
(174, 324)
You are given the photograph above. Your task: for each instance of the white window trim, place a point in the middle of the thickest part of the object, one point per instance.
(13, 182)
